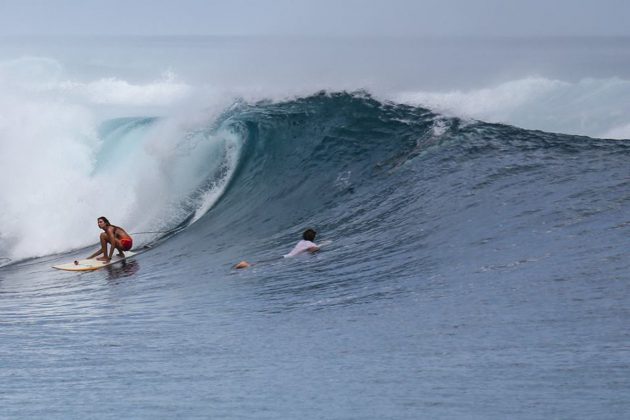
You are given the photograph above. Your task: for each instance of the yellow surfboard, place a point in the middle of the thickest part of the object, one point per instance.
(92, 263)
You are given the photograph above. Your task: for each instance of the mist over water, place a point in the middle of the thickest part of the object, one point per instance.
(475, 192)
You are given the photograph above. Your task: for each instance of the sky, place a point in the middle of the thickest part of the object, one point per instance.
(360, 18)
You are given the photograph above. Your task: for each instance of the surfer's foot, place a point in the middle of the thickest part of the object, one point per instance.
(102, 259)
(120, 254)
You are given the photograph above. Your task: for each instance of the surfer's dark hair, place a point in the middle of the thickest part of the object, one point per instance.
(309, 235)
(105, 220)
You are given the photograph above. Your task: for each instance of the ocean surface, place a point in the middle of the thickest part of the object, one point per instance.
(475, 193)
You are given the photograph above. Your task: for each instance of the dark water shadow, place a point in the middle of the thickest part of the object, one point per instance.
(117, 272)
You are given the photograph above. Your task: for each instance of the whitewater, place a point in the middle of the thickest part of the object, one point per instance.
(476, 194)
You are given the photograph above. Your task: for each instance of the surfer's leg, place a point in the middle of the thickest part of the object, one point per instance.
(119, 248)
(103, 246)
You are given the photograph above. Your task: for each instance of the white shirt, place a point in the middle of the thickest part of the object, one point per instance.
(300, 248)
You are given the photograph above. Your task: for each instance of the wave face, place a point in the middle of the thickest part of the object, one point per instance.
(366, 172)
(336, 160)
(456, 244)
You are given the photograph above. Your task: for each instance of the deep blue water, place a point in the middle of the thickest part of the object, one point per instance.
(476, 271)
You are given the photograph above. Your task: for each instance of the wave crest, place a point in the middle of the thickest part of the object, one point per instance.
(592, 107)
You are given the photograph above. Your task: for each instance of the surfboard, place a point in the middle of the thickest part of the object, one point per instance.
(92, 263)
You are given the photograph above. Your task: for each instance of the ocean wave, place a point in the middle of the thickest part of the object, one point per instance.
(591, 107)
(273, 164)
(60, 170)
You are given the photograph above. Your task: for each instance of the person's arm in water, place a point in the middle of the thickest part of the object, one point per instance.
(301, 247)
(312, 247)
(242, 264)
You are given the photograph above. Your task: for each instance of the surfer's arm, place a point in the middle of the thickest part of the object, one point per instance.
(95, 254)
(313, 249)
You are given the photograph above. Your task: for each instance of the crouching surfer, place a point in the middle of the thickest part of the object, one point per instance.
(305, 245)
(115, 236)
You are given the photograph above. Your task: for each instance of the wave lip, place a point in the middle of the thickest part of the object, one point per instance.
(591, 107)
(114, 91)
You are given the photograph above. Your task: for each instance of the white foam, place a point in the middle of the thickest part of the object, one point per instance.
(592, 107)
(57, 176)
(113, 91)
(232, 149)
(620, 132)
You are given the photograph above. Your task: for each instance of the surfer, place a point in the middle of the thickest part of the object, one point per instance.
(305, 245)
(113, 235)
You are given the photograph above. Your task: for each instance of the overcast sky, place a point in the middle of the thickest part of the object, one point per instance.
(316, 17)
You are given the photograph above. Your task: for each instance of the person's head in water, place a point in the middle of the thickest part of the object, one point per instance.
(103, 222)
(309, 235)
